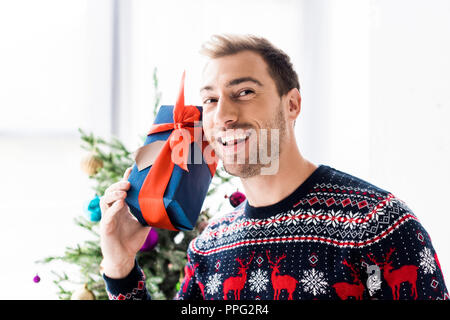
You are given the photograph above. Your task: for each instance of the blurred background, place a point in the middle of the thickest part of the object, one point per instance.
(375, 85)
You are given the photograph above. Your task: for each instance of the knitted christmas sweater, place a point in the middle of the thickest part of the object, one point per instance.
(335, 237)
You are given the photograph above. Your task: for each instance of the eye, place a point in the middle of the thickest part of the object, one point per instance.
(245, 92)
(209, 101)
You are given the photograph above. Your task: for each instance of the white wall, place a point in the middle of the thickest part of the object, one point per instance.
(55, 62)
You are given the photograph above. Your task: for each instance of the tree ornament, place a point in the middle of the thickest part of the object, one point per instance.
(178, 238)
(36, 278)
(151, 241)
(91, 163)
(236, 198)
(92, 209)
(83, 293)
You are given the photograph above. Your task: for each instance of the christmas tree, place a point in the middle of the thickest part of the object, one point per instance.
(162, 257)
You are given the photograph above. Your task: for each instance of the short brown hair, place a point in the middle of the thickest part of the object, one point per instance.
(280, 67)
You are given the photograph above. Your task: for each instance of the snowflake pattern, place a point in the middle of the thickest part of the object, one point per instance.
(291, 217)
(427, 262)
(254, 224)
(343, 224)
(258, 280)
(333, 218)
(314, 282)
(274, 222)
(350, 220)
(314, 217)
(213, 283)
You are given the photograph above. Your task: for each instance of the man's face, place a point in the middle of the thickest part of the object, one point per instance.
(242, 109)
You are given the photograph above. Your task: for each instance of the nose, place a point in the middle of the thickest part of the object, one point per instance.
(226, 113)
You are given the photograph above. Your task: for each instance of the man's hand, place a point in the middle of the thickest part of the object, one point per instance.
(121, 235)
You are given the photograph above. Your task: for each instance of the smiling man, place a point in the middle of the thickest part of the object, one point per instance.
(304, 232)
(241, 96)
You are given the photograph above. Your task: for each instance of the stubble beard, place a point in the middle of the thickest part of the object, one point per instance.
(270, 144)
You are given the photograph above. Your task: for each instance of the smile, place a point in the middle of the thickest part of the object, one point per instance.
(231, 145)
(233, 139)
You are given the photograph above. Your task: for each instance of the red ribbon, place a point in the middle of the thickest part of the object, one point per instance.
(152, 191)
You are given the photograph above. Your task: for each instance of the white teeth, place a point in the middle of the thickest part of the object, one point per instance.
(232, 137)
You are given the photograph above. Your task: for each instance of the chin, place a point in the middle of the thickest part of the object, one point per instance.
(242, 170)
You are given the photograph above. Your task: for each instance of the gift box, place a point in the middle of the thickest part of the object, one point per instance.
(173, 169)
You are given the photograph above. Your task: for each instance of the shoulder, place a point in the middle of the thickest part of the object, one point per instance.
(349, 184)
(390, 217)
(368, 212)
(350, 193)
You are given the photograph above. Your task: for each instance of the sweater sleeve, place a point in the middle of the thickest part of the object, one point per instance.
(401, 263)
(132, 287)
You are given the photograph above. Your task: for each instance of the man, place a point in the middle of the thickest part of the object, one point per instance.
(304, 232)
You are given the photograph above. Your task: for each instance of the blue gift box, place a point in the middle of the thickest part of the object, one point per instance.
(186, 190)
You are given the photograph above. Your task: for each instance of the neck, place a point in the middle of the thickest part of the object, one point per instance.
(293, 170)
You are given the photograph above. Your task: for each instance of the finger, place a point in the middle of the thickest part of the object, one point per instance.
(109, 222)
(112, 211)
(118, 186)
(103, 206)
(112, 196)
(127, 173)
(107, 198)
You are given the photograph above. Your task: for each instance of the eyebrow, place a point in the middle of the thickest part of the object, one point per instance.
(235, 82)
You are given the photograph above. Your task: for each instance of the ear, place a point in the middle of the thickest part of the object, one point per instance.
(294, 104)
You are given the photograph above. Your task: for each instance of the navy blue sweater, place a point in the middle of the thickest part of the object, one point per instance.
(335, 237)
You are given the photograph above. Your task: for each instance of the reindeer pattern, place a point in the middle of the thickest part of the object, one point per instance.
(346, 290)
(280, 282)
(395, 277)
(237, 283)
(273, 274)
